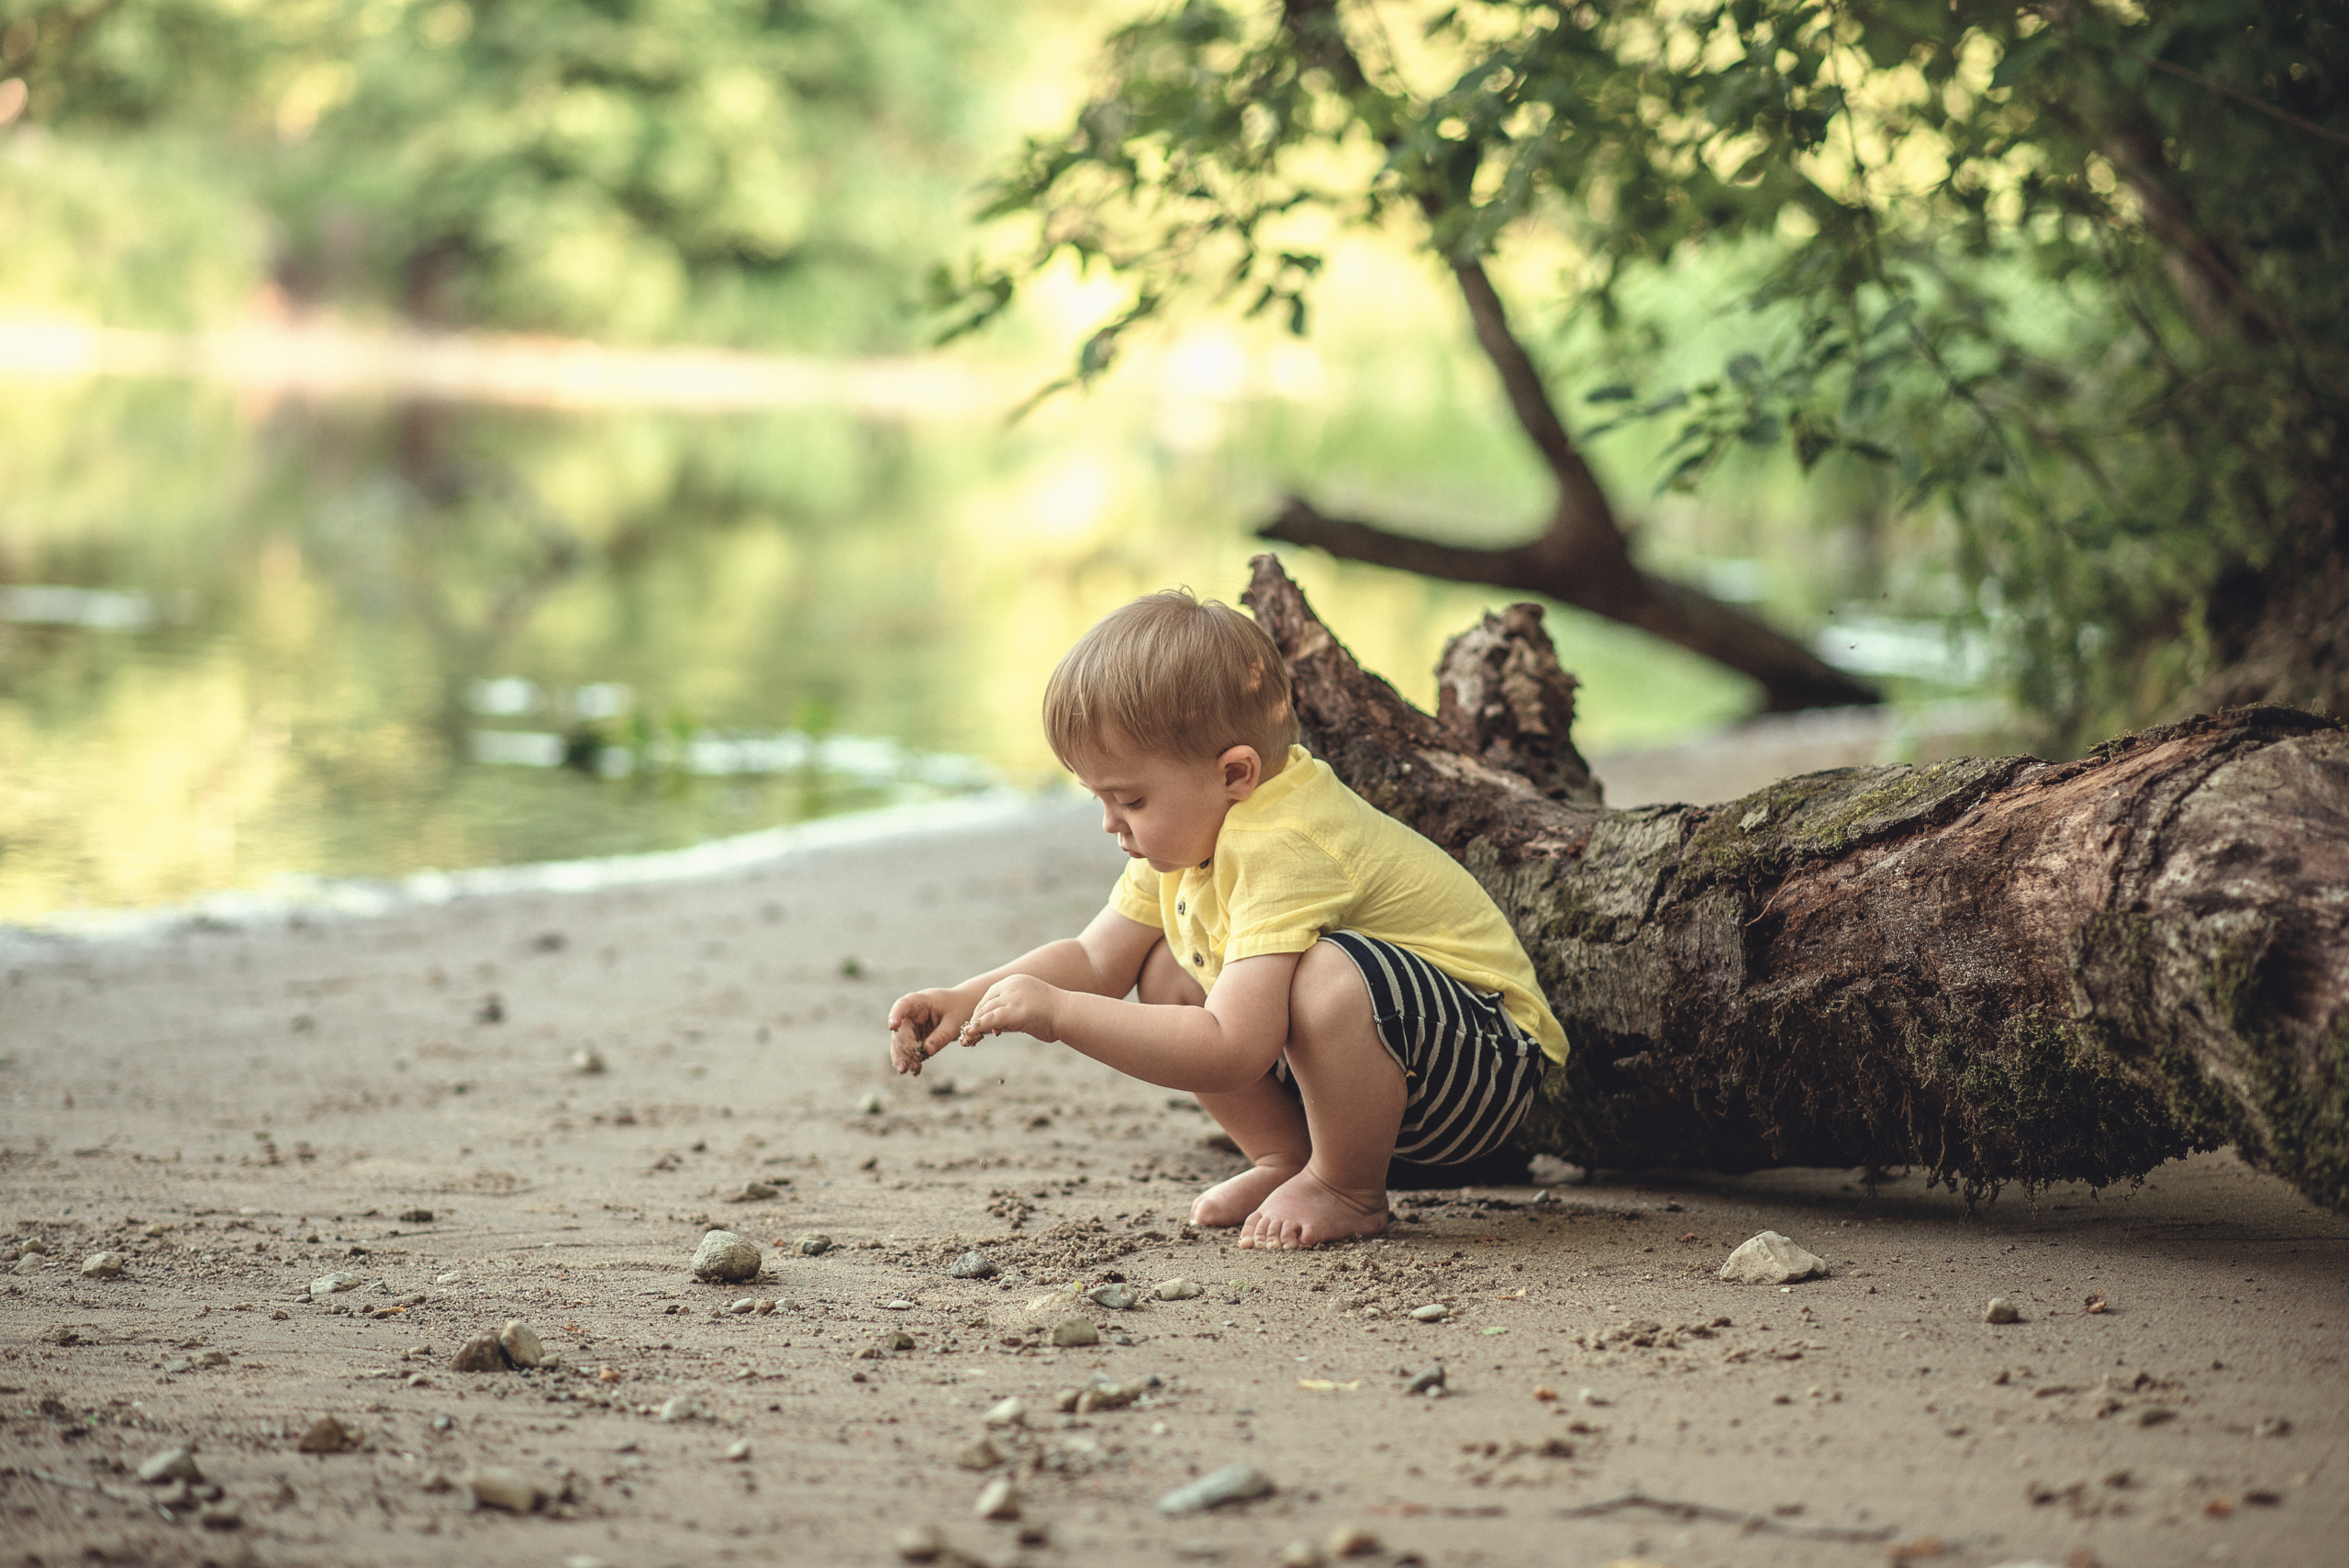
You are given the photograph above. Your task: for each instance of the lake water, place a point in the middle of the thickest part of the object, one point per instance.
(244, 638)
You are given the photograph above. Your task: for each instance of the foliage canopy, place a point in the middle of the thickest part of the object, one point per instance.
(2068, 274)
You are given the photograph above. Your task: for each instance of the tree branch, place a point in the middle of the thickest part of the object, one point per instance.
(1592, 571)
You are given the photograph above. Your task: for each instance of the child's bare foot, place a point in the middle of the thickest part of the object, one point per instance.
(1306, 1211)
(1230, 1202)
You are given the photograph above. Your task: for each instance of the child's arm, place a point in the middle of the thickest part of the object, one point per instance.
(1104, 960)
(1226, 1045)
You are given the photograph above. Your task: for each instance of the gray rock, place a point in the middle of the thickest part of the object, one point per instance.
(1429, 1381)
(998, 1500)
(1012, 1412)
(588, 1059)
(870, 1106)
(1179, 1290)
(178, 1364)
(1233, 1484)
(222, 1514)
(1354, 1540)
(520, 1343)
(102, 1266)
(1771, 1259)
(679, 1407)
(1116, 1297)
(480, 1353)
(1070, 1332)
(171, 1464)
(978, 1454)
(814, 1244)
(972, 1265)
(753, 1192)
(31, 1263)
(723, 1255)
(1299, 1553)
(496, 1487)
(212, 1358)
(738, 1452)
(328, 1285)
(1434, 1312)
(745, 1307)
(2000, 1310)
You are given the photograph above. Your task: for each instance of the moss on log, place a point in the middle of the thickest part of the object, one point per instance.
(1997, 969)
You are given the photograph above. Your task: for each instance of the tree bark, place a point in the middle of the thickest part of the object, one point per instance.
(1581, 557)
(1998, 969)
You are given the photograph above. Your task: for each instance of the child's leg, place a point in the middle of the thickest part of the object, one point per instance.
(1263, 1118)
(1354, 1096)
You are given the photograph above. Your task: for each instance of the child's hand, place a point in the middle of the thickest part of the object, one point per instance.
(920, 1025)
(1018, 1004)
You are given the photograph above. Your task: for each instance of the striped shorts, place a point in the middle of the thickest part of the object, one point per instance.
(1469, 1071)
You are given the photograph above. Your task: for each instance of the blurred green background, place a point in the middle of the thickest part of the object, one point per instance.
(267, 611)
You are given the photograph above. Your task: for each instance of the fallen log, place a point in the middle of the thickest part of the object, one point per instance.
(1997, 969)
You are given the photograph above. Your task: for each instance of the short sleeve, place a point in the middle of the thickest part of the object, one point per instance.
(1287, 892)
(1136, 895)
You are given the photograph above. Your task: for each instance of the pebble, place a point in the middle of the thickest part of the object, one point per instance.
(327, 1435)
(1179, 1290)
(814, 1244)
(678, 1407)
(1012, 1412)
(998, 1500)
(327, 1284)
(1593, 1398)
(753, 1192)
(171, 1464)
(1233, 1484)
(738, 1452)
(1771, 1259)
(31, 1263)
(978, 1454)
(102, 1266)
(1434, 1312)
(587, 1058)
(1116, 1297)
(870, 1104)
(1429, 1382)
(1354, 1540)
(749, 1303)
(520, 1343)
(899, 1305)
(972, 1265)
(1299, 1553)
(496, 1487)
(723, 1255)
(480, 1353)
(920, 1543)
(222, 1514)
(178, 1364)
(212, 1358)
(1070, 1332)
(763, 1306)
(2000, 1310)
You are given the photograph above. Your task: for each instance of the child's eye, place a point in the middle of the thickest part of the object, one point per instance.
(1130, 805)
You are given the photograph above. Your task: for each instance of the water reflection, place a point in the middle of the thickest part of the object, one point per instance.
(242, 640)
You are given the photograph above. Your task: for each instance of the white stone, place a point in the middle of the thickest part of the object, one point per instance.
(102, 1266)
(723, 1255)
(998, 1500)
(520, 1343)
(1179, 1290)
(171, 1464)
(679, 1408)
(496, 1487)
(1012, 1412)
(327, 1284)
(1771, 1259)
(1434, 1312)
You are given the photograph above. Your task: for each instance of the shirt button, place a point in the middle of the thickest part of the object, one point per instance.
(1198, 961)
(1181, 907)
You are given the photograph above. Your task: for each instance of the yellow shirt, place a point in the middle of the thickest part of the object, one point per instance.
(1303, 855)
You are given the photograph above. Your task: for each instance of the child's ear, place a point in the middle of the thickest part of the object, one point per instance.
(1242, 772)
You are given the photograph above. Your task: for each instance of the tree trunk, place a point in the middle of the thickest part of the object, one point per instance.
(1997, 968)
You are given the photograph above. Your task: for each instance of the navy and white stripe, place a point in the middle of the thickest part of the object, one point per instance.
(1469, 1070)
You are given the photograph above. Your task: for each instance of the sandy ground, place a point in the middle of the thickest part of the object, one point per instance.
(239, 1111)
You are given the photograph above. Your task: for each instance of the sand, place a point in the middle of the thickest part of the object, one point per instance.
(239, 1109)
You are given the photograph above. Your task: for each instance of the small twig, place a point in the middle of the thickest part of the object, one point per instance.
(2245, 99)
(1727, 1515)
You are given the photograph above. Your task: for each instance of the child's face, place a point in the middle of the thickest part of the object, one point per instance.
(1166, 811)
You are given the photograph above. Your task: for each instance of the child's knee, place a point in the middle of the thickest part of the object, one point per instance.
(1328, 995)
(1165, 983)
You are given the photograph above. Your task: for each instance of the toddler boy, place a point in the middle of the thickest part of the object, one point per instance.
(1333, 987)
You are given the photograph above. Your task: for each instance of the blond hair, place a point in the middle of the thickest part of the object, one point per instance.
(1175, 677)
